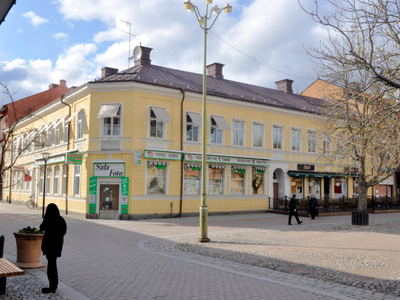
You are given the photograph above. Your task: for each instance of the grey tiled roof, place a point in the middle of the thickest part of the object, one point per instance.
(193, 82)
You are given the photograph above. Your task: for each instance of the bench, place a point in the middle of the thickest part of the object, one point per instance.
(7, 268)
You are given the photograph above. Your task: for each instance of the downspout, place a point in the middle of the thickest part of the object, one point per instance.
(66, 175)
(182, 122)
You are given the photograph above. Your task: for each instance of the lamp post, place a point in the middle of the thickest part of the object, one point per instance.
(45, 158)
(203, 25)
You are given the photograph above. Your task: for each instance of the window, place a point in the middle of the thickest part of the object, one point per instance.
(216, 177)
(311, 141)
(339, 144)
(79, 128)
(156, 178)
(41, 173)
(77, 180)
(296, 184)
(66, 126)
(277, 137)
(24, 143)
(29, 146)
(218, 125)
(110, 118)
(296, 139)
(237, 180)
(27, 182)
(191, 183)
(314, 187)
(257, 181)
(48, 180)
(258, 135)
(158, 117)
(7, 185)
(35, 143)
(55, 180)
(326, 143)
(64, 180)
(42, 140)
(13, 180)
(238, 132)
(50, 138)
(57, 136)
(193, 125)
(19, 180)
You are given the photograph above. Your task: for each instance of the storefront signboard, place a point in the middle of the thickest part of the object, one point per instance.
(74, 158)
(92, 194)
(52, 160)
(228, 160)
(108, 169)
(162, 155)
(302, 167)
(124, 195)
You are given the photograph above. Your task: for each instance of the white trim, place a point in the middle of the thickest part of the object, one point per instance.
(164, 138)
(253, 122)
(121, 120)
(244, 131)
(283, 137)
(316, 140)
(301, 140)
(193, 124)
(166, 163)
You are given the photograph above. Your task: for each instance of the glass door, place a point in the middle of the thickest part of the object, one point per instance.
(109, 201)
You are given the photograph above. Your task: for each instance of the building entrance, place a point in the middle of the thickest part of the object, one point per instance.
(109, 201)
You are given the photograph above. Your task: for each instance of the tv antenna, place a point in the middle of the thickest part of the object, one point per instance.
(130, 35)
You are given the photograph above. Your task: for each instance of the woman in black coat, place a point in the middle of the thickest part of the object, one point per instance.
(313, 207)
(54, 228)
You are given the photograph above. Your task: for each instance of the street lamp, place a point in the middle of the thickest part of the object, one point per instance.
(203, 25)
(45, 158)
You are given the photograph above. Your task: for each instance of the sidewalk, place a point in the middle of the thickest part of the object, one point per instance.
(250, 257)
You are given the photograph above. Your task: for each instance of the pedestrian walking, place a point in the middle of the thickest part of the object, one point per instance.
(54, 228)
(313, 207)
(293, 210)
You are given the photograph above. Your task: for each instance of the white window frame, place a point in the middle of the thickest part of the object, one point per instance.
(326, 139)
(41, 178)
(120, 117)
(56, 181)
(193, 125)
(27, 183)
(166, 192)
(43, 140)
(77, 174)
(164, 124)
(282, 137)
(224, 180)
(65, 132)
(50, 138)
(313, 140)
(191, 165)
(298, 136)
(253, 133)
(238, 130)
(210, 119)
(244, 180)
(64, 180)
(48, 180)
(80, 125)
(57, 135)
(253, 169)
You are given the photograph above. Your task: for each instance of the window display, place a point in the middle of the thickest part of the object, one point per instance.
(156, 176)
(191, 184)
(257, 181)
(216, 176)
(237, 180)
(314, 187)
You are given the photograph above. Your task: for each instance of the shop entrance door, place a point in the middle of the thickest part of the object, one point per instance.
(109, 201)
(326, 187)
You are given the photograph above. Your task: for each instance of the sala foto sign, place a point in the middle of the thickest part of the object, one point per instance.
(109, 169)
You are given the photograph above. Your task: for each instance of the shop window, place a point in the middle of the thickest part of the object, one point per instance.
(258, 135)
(55, 180)
(238, 175)
(355, 186)
(40, 187)
(257, 180)
(295, 135)
(238, 130)
(192, 175)
(277, 137)
(64, 180)
(193, 126)
(19, 180)
(57, 135)
(7, 185)
(218, 125)
(314, 187)
(27, 182)
(77, 180)
(48, 180)
(311, 141)
(326, 143)
(50, 138)
(216, 178)
(296, 187)
(340, 187)
(80, 125)
(158, 117)
(110, 119)
(156, 177)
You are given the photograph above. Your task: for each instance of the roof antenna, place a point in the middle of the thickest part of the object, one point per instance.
(130, 35)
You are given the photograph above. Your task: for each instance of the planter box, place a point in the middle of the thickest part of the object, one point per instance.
(360, 218)
(29, 249)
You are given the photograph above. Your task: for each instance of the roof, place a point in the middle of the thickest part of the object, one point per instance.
(5, 6)
(193, 82)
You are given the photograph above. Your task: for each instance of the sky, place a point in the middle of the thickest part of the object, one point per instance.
(260, 42)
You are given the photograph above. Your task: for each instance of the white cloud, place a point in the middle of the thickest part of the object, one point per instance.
(15, 64)
(35, 19)
(19, 31)
(61, 36)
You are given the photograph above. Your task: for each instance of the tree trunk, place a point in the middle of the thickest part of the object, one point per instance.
(362, 200)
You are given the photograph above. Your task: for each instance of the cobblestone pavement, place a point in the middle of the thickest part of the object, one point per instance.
(106, 259)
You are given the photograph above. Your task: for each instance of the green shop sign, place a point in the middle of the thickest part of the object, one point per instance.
(235, 160)
(162, 155)
(74, 158)
(92, 195)
(124, 195)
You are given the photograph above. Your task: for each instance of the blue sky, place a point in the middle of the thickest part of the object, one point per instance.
(45, 41)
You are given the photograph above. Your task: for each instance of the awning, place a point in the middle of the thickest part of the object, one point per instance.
(221, 123)
(109, 110)
(196, 118)
(73, 115)
(161, 114)
(318, 175)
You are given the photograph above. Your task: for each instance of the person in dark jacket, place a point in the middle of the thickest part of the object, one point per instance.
(293, 210)
(54, 228)
(313, 207)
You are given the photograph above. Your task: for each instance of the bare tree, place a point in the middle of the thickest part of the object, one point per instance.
(360, 60)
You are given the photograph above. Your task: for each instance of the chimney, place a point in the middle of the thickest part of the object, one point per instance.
(142, 56)
(215, 70)
(106, 71)
(284, 85)
(52, 86)
(63, 83)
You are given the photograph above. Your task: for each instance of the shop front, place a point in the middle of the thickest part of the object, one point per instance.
(108, 190)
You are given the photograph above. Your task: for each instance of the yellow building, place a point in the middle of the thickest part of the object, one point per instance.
(139, 134)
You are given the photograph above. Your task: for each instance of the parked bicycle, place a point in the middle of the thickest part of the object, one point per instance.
(30, 203)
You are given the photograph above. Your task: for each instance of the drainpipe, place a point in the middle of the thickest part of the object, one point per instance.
(66, 175)
(182, 122)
